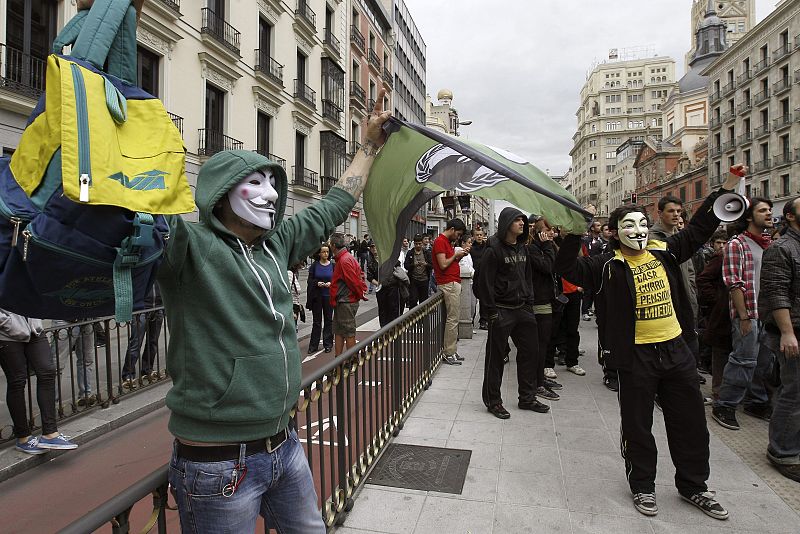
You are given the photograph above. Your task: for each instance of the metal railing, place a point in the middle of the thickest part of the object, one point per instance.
(745, 138)
(357, 38)
(761, 131)
(387, 77)
(782, 85)
(363, 396)
(268, 66)
(761, 97)
(715, 151)
(782, 52)
(98, 361)
(727, 146)
(729, 115)
(743, 77)
(332, 42)
(797, 76)
(374, 60)
(304, 177)
(715, 95)
(715, 122)
(327, 183)
(761, 65)
(354, 146)
(220, 30)
(174, 5)
(744, 106)
(782, 159)
(305, 93)
(331, 111)
(177, 120)
(21, 73)
(273, 157)
(761, 166)
(213, 141)
(782, 121)
(728, 88)
(357, 94)
(305, 13)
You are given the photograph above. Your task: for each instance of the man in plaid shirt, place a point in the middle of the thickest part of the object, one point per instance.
(742, 380)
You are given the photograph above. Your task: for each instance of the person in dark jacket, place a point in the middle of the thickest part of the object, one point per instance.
(372, 268)
(713, 294)
(419, 266)
(363, 252)
(504, 286)
(643, 315)
(318, 300)
(145, 325)
(479, 245)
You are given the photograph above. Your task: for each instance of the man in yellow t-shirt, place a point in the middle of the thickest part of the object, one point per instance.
(644, 320)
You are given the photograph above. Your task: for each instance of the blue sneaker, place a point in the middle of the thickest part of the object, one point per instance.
(31, 446)
(60, 442)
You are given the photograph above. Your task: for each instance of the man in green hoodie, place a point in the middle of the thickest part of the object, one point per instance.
(233, 354)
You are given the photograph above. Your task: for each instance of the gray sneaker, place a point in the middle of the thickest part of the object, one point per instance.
(450, 359)
(645, 503)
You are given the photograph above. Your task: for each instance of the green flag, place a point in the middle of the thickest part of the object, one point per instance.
(416, 164)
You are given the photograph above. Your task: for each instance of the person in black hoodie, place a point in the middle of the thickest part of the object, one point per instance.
(479, 245)
(644, 316)
(504, 286)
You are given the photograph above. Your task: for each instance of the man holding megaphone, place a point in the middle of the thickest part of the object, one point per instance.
(644, 322)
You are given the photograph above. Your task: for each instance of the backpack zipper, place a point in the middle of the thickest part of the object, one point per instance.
(30, 236)
(84, 153)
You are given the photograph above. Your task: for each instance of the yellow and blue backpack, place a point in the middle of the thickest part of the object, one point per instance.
(83, 197)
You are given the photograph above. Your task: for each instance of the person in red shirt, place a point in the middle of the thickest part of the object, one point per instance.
(346, 292)
(448, 279)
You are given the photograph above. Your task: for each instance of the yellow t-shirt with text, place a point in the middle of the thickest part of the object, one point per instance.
(655, 317)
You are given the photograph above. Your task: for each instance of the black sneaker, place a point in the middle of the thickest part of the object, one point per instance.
(483, 325)
(498, 411)
(611, 383)
(552, 384)
(706, 502)
(450, 359)
(725, 416)
(535, 406)
(791, 471)
(762, 411)
(459, 357)
(548, 394)
(645, 503)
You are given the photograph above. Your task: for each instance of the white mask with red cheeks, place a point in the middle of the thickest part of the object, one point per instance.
(253, 199)
(633, 230)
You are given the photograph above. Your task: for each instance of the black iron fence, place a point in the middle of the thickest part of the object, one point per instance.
(304, 93)
(21, 73)
(268, 66)
(345, 416)
(219, 29)
(304, 177)
(100, 361)
(213, 141)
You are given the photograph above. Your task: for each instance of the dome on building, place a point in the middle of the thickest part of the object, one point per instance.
(444, 94)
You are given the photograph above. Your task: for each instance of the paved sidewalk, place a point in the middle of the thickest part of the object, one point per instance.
(559, 472)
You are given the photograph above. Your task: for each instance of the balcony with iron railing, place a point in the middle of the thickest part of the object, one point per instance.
(305, 178)
(715, 179)
(797, 76)
(388, 79)
(374, 60)
(743, 77)
(729, 115)
(781, 86)
(306, 15)
(761, 131)
(173, 5)
(331, 111)
(783, 51)
(354, 146)
(331, 43)
(781, 122)
(727, 146)
(715, 96)
(370, 104)
(715, 151)
(761, 65)
(268, 67)
(21, 73)
(728, 88)
(762, 166)
(305, 94)
(744, 106)
(213, 141)
(221, 31)
(761, 97)
(782, 159)
(357, 95)
(357, 38)
(272, 157)
(715, 122)
(744, 139)
(177, 120)
(327, 183)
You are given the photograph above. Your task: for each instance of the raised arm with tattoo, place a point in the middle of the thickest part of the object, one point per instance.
(354, 179)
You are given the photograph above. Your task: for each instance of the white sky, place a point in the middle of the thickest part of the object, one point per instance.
(516, 67)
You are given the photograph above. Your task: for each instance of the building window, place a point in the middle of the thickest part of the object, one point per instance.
(147, 64)
(698, 189)
(264, 38)
(593, 142)
(332, 155)
(765, 188)
(683, 193)
(609, 168)
(215, 109)
(592, 170)
(262, 133)
(301, 68)
(785, 191)
(593, 157)
(299, 152)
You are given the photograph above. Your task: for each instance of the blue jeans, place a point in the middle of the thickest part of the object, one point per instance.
(81, 340)
(748, 364)
(784, 426)
(278, 486)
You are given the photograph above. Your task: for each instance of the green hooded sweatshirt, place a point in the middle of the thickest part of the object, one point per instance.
(233, 354)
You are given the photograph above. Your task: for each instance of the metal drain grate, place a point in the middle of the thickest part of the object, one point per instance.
(422, 468)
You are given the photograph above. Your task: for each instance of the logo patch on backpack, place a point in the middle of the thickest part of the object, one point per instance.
(144, 181)
(85, 292)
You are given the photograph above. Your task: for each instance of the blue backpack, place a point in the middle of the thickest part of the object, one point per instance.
(66, 258)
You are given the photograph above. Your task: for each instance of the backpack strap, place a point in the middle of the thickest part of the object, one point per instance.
(109, 25)
(127, 259)
(69, 33)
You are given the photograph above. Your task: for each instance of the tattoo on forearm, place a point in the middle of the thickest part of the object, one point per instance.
(352, 184)
(370, 149)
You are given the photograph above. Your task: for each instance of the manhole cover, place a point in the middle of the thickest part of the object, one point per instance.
(422, 468)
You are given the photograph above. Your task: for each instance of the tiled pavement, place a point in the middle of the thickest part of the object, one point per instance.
(559, 472)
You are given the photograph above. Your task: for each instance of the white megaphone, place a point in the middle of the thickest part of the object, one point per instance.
(731, 206)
